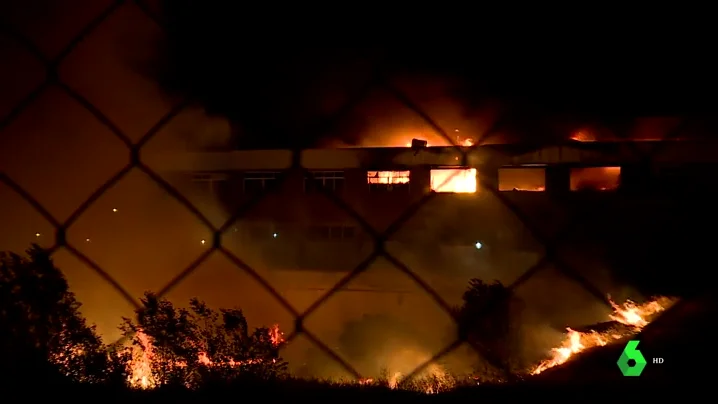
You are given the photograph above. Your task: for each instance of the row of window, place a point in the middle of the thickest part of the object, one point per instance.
(531, 179)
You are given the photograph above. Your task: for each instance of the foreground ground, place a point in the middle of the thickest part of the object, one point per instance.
(684, 337)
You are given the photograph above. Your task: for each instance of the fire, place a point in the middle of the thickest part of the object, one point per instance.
(433, 379)
(454, 180)
(464, 143)
(635, 316)
(140, 372)
(141, 376)
(595, 178)
(388, 177)
(583, 136)
(276, 335)
(525, 179)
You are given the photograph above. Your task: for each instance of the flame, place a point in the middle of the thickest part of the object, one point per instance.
(388, 177)
(142, 377)
(629, 313)
(465, 143)
(462, 180)
(433, 379)
(595, 178)
(583, 136)
(525, 179)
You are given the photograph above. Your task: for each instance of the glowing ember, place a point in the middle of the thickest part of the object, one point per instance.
(629, 313)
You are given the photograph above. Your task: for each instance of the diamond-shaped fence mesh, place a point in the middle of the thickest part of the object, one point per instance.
(215, 245)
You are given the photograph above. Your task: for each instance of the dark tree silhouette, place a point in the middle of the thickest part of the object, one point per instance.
(42, 333)
(196, 346)
(488, 319)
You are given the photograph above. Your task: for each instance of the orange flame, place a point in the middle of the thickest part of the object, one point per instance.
(142, 377)
(461, 180)
(465, 143)
(629, 313)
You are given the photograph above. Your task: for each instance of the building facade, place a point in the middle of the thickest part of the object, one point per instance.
(453, 208)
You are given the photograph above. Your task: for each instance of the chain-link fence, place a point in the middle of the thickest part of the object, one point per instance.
(380, 239)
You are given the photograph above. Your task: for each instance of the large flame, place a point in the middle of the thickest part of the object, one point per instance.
(454, 180)
(635, 316)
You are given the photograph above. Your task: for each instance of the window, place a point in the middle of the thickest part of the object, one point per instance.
(387, 180)
(210, 181)
(525, 179)
(323, 232)
(259, 181)
(329, 180)
(595, 178)
(454, 180)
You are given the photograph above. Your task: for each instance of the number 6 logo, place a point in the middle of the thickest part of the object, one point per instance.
(631, 353)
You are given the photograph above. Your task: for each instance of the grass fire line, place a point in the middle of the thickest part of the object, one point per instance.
(633, 317)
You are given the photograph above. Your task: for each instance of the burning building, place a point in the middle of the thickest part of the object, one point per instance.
(315, 208)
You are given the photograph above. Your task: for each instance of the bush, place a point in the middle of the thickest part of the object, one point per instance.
(42, 332)
(43, 335)
(488, 318)
(191, 348)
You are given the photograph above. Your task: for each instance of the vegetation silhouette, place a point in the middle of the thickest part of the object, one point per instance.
(195, 346)
(488, 319)
(42, 333)
(45, 338)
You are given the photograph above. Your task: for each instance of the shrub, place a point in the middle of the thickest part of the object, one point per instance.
(488, 318)
(42, 332)
(196, 346)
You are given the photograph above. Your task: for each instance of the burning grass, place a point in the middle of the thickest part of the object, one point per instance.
(626, 320)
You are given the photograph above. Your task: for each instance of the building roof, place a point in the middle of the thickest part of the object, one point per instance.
(589, 153)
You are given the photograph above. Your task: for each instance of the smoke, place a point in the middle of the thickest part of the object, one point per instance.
(59, 153)
(143, 237)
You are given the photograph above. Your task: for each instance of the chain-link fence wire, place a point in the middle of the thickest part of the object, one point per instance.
(550, 243)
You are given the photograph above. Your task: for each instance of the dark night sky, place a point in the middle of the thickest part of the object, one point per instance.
(569, 70)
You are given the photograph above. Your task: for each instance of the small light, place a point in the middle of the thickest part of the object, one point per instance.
(114, 210)
(203, 241)
(478, 245)
(38, 234)
(274, 235)
(87, 240)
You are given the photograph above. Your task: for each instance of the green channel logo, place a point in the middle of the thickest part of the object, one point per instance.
(631, 353)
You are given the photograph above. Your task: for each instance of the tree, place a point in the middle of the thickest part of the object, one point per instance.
(488, 319)
(41, 329)
(196, 346)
